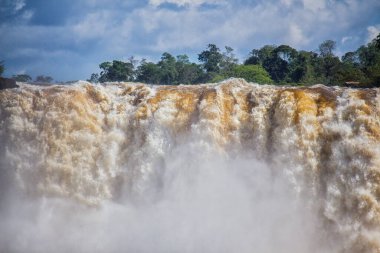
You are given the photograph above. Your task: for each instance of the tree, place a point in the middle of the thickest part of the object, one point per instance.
(211, 59)
(260, 56)
(94, 78)
(327, 65)
(303, 70)
(188, 73)
(252, 73)
(116, 71)
(377, 41)
(22, 78)
(148, 72)
(349, 73)
(168, 71)
(228, 61)
(44, 79)
(281, 62)
(369, 62)
(1, 67)
(253, 58)
(326, 48)
(351, 58)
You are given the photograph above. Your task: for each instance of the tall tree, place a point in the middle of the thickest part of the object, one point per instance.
(328, 65)
(44, 79)
(168, 71)
(1, 67)
(303, 70)
(369, 58)
(211, 59)
(280, 62)
(327, 48)
(148, 72)
(377, 41)
(116, 71)
(22, 78)
(94, 78)
(260, 56)
(228, 61)
(188, 73)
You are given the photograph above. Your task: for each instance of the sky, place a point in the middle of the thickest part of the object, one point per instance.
(69, 39)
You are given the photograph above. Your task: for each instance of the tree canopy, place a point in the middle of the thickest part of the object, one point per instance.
(43, 79)
(22, 78)
(1, 67)
(269, 64)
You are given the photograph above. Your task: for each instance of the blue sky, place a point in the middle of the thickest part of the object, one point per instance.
(68, 39)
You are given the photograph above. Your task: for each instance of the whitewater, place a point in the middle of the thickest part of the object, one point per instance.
(227, 167)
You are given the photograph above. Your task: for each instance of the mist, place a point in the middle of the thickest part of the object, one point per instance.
(233, 167)
(198, 203)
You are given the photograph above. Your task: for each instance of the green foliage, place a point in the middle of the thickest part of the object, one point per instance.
(279, 63)
(1, 67)
(22, 78)
(211, 59)
(326, 48)
(260, 56)
(228, 61)
(252, 73)
(116, 71)
(94, 78)
(168, 72)
(148, 72)
(377, 41)
(188, 73)
(44, 79)
(369, 62)
(269, 64)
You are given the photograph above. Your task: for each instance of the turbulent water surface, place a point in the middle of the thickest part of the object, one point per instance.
(232, 167)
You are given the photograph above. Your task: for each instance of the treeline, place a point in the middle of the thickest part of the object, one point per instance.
(269, 64)
(216, 65)
(28, 79)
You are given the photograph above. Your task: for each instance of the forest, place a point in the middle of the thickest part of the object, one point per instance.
(271, 64)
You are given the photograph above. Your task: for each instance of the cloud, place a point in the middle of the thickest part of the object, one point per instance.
(92, 31)
(184, 2)
(296, 36)
(345, 39)
(93, 25)
(19, 4)
(314, 5)
(373, 31)
(286, 2)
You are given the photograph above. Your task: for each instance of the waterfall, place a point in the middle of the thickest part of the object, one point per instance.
(227, 167)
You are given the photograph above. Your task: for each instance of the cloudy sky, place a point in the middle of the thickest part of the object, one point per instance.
(68, 39)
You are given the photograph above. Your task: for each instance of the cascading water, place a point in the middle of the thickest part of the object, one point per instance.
(232, 167)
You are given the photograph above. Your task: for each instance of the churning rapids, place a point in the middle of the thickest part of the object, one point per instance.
(232, 167)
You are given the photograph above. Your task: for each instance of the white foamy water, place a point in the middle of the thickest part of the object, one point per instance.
(233, 167)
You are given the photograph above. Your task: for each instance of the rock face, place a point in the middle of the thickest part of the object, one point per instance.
(6, 83)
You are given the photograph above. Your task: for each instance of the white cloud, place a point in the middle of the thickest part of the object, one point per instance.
(184, 2)
(345, 39)
(27, 15)
(296, 36)
(314, 5)
(105, 31)
(373, 31)
(18, 5)
(93, 25)
(287, 2)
